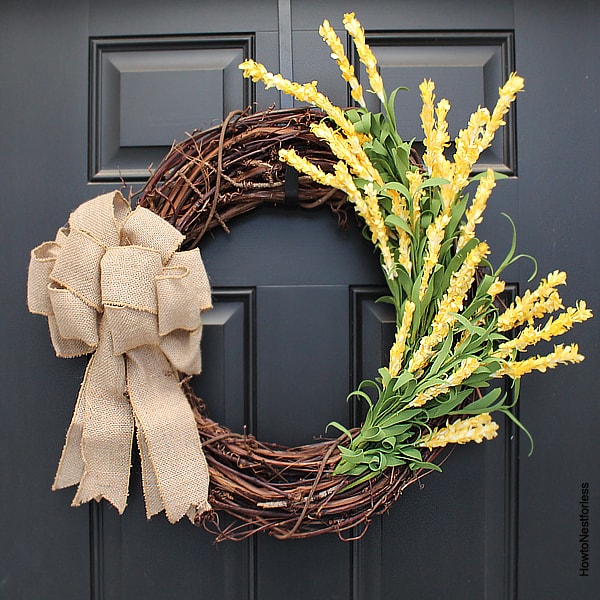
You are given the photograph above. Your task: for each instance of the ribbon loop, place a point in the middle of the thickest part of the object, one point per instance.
(115, 284)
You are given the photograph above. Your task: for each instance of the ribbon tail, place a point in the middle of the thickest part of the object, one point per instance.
(153, 501)
(174, 469)
(106, 430)
(71, 466)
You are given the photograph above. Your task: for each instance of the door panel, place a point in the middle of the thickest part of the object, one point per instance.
(96, 91)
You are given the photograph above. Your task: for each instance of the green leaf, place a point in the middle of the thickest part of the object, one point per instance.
(456, 398)
(442, 355)
(389, 443)
(385, 376)
(522, 427)
(379, 148)
(424, 465)
(378, 462)
(340, 427)
(483, 404)
(396, 185)
(390, 105)
(397, 430)
(395, 420)
(360, 394)
(497, 176)
(411, 452)
(408, 414)
(513, 245)
(396, 221)
(401, 158)
(352, 456)
(402, 379)
(365, 123)
(395, 461)
(432, 182)
(366, 477)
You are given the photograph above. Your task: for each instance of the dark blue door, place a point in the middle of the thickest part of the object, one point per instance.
(93, 92)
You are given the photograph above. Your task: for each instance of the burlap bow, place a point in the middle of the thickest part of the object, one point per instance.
(113, 284)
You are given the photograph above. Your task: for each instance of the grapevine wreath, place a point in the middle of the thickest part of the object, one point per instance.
(128, 287)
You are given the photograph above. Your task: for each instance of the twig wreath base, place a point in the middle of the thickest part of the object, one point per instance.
(203, 182)
(290, 492)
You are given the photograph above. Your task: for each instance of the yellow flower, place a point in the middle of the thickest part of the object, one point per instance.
(400, 209)
(435, 236)
(474, 213)
(531, 335)
(415, 179)
(507, 94)
(469, 143)
(441, 112)
(561, 355)
(533, 305)
(465, 370)
(469, 146)
(496, 288)
(315, 172)
(451, 303)
(338, 54)
(399, 345)
(348, 149)
(353, 27)
(427, 111)
(379, 234)
(473, 429)
(436, 136)
(304, 92)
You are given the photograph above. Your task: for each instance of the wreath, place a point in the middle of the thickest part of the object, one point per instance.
(139, 312)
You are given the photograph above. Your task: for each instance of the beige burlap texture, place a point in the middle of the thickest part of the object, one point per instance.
(113, 284)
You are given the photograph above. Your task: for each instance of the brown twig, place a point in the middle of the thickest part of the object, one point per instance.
(203, 182)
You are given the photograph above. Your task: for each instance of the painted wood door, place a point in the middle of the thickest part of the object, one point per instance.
(94, 92)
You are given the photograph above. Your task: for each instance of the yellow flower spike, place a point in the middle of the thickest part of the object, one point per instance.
(304, 92)
(379, 233)
(415, 179)
(343, 176)
(331, 38)
(436, 136)
(427, 111)
(435, 236)
(400, 209)
(365, 54)
(562, 355)
(533, 305)
(441, 112)
(466, 368)
(507, 94)
(554, 327)
(474, 213)
(496, 288)
(303, 165)
(469, 146)
(349, 150)
(473, 429)
(451, 303)
(399, 345)
(341, 180)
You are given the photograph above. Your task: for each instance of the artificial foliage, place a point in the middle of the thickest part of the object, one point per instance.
(452, 342)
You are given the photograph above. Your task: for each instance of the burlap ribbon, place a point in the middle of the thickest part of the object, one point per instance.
(113, 285)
